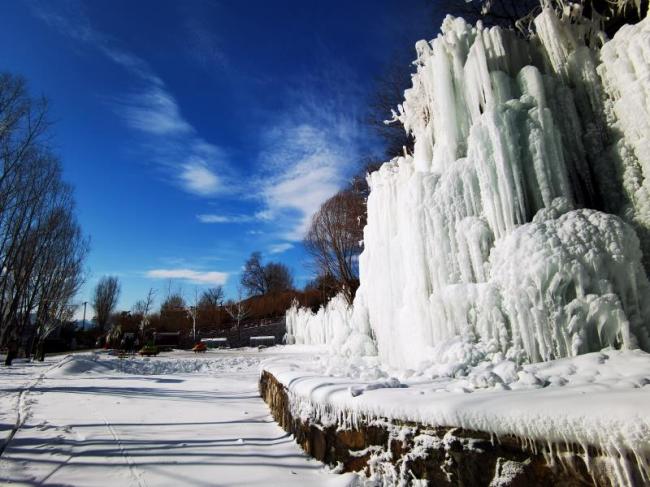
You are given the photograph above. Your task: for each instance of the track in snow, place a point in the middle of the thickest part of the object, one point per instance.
(87, 422)
(21, 408)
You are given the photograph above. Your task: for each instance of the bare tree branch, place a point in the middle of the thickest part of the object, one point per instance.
(107, 292)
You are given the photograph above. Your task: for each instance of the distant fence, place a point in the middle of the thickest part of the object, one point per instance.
(242, 337)
(215, 342)
(167, 340)
(267, 341)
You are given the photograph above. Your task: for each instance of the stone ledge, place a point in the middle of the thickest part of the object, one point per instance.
(401, 451)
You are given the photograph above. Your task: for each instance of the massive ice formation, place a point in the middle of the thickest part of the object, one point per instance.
(493, 232)
(334, 325)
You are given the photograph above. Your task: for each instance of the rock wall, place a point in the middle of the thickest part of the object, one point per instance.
(398, 453)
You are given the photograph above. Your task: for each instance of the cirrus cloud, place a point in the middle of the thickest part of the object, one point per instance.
(155, 112)
(199, 179)
(215, 218)
(152, 110)
(196, 277)
(307, 157)
(280, 248)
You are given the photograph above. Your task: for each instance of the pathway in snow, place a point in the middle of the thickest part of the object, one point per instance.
(92, 420)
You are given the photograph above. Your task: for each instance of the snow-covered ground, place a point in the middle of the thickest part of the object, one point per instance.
(599, 399)
(182, 419)
(198, 420)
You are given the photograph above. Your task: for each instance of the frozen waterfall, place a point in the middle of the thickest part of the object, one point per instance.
(519, 224)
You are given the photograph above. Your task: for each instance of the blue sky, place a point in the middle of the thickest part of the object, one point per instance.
(196, 132)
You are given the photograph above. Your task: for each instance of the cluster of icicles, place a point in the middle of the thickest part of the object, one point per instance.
(486, 234)
(520, 225)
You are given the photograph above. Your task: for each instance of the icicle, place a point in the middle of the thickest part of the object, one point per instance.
(475, 238)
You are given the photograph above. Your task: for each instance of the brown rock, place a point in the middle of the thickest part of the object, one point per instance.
(465, 457)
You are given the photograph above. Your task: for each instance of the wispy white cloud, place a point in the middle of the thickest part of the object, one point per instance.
(215, 218)
(199, 179)
(307, 151)
(307, 157)
(264, 215)
(279, 248)
(70, 19)
(154, 112)
(195, 277)
(152, 109)
(258, 216)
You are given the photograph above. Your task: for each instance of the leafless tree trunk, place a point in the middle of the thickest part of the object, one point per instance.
(334, 239)
(41, 246)
(259, 279)
(143, 308)
(107, 292)
(209, 305)
(238, 311)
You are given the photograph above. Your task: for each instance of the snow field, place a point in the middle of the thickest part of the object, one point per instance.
(89, 419)
(103, 364)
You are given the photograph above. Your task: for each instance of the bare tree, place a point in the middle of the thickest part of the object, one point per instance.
(174, 314)
(58, 277)
(193, 311)
(238, 310)
(252, 278)
(209, 306)
(334, 239)
(212, 297)
(41, 246)
(278, 278)
(259, 279)
(325, 285)
(106, 294)
(173, 302)
(143, 309)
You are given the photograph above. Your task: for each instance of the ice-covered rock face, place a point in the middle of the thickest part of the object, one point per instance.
(571, 285)
(482, 233)
(332, 325)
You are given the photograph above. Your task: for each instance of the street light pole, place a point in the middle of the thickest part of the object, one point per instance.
(84, 320)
